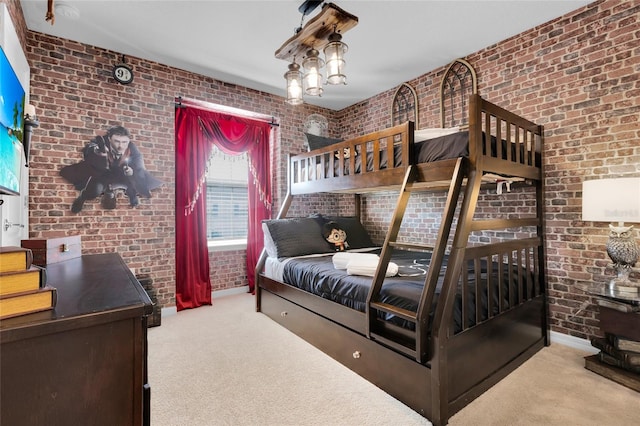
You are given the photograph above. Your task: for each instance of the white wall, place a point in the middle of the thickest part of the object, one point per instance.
(14, 210)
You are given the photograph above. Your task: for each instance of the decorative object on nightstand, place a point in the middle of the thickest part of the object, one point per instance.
(619, 315)
(616, 200)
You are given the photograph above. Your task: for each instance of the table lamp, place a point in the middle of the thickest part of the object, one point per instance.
(616, 200)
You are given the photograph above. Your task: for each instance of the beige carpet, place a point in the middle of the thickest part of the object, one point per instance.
(228, 365)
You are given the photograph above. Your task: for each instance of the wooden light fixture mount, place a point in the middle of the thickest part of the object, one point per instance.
(316, 32)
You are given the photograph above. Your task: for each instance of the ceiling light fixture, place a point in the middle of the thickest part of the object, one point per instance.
(323, 32)
(294, 84)
(312, 65)
(334, 56)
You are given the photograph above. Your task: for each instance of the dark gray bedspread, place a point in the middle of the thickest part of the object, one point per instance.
(317, 275)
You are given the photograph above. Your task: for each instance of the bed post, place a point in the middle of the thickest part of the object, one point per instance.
(542, 250)
(441, 329)
(475, 129)
(444, 309)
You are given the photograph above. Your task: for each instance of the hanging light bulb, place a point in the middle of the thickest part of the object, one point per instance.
(312, 65)
(334, 56)
(294, 84)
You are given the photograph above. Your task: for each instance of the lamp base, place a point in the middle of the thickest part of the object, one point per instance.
(622, 283)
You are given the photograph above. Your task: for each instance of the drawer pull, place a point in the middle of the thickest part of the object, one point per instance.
(284, 313)
(356, 354)
(64, 248)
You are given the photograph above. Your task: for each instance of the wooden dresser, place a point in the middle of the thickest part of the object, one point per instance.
(85, 362)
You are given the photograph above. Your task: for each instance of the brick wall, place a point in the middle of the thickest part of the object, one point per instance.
(76, 99)
(577, 76)
(228, 269)
(15, 11)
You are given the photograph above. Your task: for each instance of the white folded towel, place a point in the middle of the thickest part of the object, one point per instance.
(342, 259)
(368, 268)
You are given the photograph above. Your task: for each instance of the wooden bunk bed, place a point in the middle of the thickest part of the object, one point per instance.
(429, 363)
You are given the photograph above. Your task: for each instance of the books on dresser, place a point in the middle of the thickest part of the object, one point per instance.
(28, 302)
(20, 281)
(15, 259)
(23, 286)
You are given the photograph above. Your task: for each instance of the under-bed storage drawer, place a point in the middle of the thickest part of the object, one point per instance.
(401, 377)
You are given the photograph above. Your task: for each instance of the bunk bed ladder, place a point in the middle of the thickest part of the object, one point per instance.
(417, 346)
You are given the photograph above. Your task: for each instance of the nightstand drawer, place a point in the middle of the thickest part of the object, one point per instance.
(620, 323)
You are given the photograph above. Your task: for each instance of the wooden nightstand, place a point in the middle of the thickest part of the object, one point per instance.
(619, 316)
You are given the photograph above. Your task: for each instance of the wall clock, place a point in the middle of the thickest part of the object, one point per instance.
(123, 73)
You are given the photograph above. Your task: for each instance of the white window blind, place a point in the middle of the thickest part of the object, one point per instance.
(227, 197)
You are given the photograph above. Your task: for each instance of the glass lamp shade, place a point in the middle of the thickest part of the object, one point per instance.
(334, 56)
(312, 65)
(294, 84)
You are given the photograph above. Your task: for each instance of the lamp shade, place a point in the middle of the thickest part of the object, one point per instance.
(294, 84)
(312, 65)
(334, 57)
(611, 200)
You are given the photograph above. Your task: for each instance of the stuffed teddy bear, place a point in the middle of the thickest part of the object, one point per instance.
(334, 234)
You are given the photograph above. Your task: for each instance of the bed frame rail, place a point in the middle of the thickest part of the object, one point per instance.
(333, 168)
(502, 142)
(515, 281)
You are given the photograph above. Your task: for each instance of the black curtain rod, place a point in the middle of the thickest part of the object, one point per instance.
(178, 104)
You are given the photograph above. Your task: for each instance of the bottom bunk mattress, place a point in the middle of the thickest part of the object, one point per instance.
(317, 274)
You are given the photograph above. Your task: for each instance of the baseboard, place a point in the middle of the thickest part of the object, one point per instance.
(229, 292)
(573, 342)
(172, 310)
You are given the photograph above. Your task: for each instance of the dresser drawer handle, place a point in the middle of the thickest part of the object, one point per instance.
(356, 354)
(284, 314)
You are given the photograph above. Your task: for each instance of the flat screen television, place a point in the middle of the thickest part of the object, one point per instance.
(12, 98)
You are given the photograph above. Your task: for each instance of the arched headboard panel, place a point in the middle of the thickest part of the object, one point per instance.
(404, 106)
(458, 83)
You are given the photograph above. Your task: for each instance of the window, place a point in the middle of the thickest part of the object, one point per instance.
(227, 198)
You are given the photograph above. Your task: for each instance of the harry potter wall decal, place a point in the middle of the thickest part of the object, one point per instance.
(111, 163)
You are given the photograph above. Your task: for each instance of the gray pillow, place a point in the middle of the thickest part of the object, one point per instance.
(294, 237)
(317, 142)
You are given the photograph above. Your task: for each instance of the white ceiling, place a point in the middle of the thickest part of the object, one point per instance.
(235, 41)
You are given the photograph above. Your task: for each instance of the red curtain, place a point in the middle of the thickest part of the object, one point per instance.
(196, 131)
